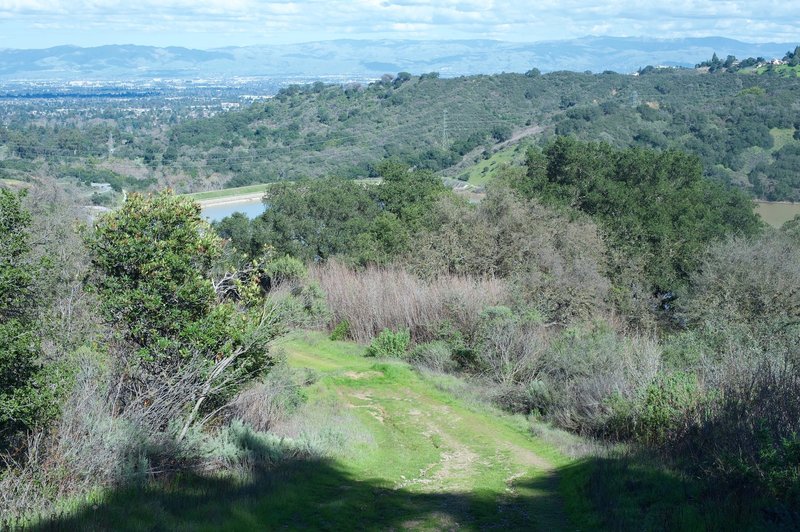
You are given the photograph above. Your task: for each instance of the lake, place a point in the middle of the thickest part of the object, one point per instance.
(251, 209)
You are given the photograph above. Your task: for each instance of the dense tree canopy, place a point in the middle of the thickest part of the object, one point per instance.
(315, 220)
(733, 123)
(653, 205)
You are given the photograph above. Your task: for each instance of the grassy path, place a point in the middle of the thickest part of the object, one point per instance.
(413, 457)
(429, 443)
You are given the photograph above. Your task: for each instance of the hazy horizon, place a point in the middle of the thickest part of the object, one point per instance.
(209, 24)
(399, 39)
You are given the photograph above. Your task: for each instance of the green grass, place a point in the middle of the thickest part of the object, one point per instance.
(432, 462)
(228, 192)
(781, 137)
(420, 428)
(781, 70)
(482, 172)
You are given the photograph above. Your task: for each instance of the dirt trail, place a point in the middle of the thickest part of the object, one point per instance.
(470, 447)
(446, 464)
(469, 159)
(522, 133)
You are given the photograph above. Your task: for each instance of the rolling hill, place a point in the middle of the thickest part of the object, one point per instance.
(360, 59)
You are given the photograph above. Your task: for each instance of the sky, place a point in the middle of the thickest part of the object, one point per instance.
(208, 24)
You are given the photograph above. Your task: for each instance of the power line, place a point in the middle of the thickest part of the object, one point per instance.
(444, 130)
(335, 148)
(447, 127)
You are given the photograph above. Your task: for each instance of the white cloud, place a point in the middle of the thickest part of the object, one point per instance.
(253, 21)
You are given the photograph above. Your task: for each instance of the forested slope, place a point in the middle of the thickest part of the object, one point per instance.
(744, 128)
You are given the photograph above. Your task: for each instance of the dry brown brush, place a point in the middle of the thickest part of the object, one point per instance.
(556, 265)
(378, 298)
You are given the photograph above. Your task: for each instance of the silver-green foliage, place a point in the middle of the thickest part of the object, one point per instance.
(389, 344)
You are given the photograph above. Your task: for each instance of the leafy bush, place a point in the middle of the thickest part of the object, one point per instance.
(28, 390)
(303, 305)
(591, 372)
(341, 331)
(669, 404)
(527, 398)
(284, 270)
(437, 356)
(154, 260)
(685, 350)
(389, 344)
(467, 359)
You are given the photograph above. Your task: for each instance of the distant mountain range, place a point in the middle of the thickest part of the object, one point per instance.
(369, 59)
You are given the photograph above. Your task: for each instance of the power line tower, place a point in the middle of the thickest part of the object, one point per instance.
(444, 131)
(110, 144)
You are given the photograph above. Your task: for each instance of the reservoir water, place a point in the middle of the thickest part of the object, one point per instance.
(251, 209)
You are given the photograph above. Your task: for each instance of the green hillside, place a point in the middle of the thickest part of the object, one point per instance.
(438, 124)
(788, 71)
(433, 123)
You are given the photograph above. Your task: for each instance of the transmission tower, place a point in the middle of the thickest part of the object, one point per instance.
(110, 144)
(444, 130)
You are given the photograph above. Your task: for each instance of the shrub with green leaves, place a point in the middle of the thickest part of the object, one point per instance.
(301, 305)
(154, 258)
(285, 270)
(592, 372)
(389, 344)
(531, 397)
(667, 406)
(437, 355)
(27, 389)
(341, 331)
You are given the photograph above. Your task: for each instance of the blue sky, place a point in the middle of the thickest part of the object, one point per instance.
(216, 23)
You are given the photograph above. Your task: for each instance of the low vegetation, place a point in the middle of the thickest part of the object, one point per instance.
(607, 333)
